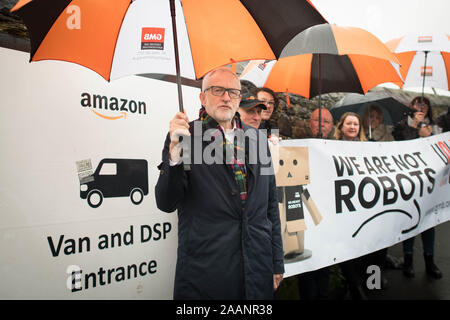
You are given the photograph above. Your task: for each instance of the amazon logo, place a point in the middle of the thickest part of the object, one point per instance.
(112, 108)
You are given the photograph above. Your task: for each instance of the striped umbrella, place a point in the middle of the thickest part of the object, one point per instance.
(327, 58)
(186, 38)
(424, 60)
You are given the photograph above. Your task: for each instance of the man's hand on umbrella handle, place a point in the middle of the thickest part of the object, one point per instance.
(179, 126)
(277, 278)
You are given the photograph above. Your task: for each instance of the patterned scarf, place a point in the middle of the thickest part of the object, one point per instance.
(238, 167)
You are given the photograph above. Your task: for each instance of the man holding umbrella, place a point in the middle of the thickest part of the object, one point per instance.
(229, 236)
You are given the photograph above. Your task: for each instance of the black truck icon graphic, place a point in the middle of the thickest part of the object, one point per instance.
(116, 178)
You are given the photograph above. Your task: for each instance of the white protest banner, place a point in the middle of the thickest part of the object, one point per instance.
(78, 165)
(66, 134)
(370, 195)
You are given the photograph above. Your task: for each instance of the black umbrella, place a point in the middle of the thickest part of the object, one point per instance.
(393, 107)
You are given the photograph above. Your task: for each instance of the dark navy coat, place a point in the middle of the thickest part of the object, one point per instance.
(224, 252)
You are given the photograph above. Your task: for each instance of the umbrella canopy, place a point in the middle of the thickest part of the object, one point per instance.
(393, 107)
(329, 59)
(123, 37)
(424, 60)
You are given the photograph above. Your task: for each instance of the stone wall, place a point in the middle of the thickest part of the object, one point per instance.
(9, 22)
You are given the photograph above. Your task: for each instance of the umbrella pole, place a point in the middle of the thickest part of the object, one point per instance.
(186, 167)
(177, 57)
(370, 126)
(424, 74)
(319, 135)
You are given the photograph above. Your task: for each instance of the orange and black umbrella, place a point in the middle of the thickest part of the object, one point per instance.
(123, 37)
(330, 59)
(327, 58)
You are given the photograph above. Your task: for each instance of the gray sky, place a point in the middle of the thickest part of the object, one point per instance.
(388, 19)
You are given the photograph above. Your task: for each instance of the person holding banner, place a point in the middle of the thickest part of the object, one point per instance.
(377, 130)
(314, 285)
(349, 128)
(326, 123)
(229, 233)
(418, 124)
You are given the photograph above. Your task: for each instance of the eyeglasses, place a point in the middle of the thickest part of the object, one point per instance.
(420, 106)
(271, 103)
(219, 91)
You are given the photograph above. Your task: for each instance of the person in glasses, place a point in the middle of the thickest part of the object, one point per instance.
(314, 285)
(326, 124)
(229, 234)
(268, 97)
(418, 124)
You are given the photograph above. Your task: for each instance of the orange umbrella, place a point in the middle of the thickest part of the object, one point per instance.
(334, 59)
(424, 60)
(327, 58)
(122, 37)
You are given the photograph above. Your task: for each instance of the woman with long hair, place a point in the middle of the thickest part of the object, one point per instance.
(349, 128)
(418, 124)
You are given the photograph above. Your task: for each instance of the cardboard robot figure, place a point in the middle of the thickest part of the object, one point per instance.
(291, 166)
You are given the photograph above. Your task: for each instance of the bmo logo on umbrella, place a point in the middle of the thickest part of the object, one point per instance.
(152, 39)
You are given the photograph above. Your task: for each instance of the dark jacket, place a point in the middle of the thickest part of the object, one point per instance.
(402, 131)
(443, 121)
(223, 251)
(269, 127)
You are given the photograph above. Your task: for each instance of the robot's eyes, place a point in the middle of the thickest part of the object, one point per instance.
(295, 162)
(281, 162)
